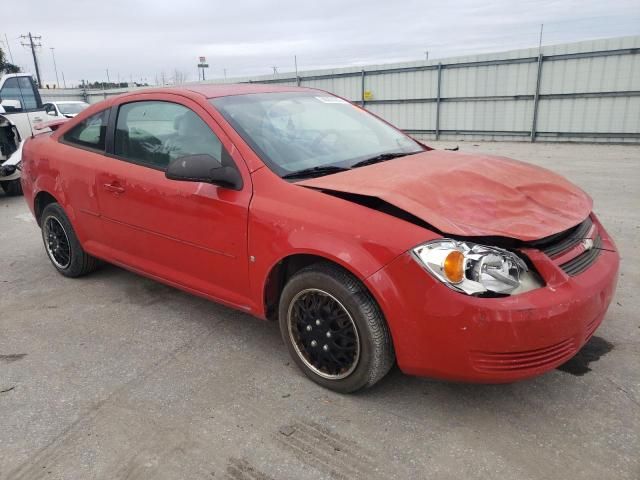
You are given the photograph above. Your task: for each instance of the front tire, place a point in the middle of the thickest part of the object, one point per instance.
(334, 329)
(62, 245)
(12, 188)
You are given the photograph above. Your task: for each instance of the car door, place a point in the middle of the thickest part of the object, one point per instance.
(191, 234)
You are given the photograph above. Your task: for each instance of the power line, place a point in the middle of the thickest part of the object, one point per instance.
(33, 46)
(8, 48)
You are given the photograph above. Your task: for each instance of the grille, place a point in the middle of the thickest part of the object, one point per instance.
(567, 240)
(561, 243)
(491, 362)
(583, 261)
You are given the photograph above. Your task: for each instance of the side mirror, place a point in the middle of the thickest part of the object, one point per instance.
(203, 168)
(51, 112)
(11, 105)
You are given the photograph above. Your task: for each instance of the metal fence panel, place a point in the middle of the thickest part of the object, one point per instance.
(489, 80)
(412, 116)
(347, 87)
(502, 115)
(585, 91)
(596, 74)
(414, 84)
(585, 115)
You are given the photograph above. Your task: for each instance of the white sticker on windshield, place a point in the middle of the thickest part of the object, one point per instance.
(331, 100)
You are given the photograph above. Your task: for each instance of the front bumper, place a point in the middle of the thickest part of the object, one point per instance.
(14, 159)
(440, 333)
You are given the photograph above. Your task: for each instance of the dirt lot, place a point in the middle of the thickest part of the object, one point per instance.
(116, 376)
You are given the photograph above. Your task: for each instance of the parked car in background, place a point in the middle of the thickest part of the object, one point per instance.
(66, 109)
(20, 110)
(367, 246)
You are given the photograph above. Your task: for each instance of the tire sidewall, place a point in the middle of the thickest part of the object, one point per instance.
(352, 302)
(54, 210)
(12, 188)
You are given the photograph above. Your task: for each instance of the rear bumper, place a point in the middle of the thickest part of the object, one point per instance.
(441, 333)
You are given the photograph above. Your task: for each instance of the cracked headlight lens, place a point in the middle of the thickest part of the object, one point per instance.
(475, 269)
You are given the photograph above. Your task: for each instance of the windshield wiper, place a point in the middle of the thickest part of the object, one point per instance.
(315, 171)
(383, 157)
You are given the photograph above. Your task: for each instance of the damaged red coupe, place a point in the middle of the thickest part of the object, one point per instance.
(367, 246)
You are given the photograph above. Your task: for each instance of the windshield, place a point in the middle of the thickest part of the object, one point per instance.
(296, 131)
(71, 108)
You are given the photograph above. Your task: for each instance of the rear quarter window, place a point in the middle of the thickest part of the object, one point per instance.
(91, 133)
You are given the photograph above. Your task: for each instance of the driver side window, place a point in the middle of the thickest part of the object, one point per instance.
(153, 133)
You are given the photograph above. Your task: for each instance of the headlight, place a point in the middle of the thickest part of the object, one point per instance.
(472, 269)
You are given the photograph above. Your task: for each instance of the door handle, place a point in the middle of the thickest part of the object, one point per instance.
(113, 187)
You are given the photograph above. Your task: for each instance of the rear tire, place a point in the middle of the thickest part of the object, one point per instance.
(334, 329)
(62, 245)
(12, 188)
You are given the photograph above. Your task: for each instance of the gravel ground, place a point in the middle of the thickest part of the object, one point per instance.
(116, 376)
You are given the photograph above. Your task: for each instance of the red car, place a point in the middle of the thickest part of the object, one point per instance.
(368, 246)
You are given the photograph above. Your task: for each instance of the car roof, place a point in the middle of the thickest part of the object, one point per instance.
(227, 89)
(196, 90)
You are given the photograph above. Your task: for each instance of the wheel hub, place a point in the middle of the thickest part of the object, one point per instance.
(57, 243)
(324, 334)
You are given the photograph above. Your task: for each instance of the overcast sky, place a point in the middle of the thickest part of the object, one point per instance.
(139, 39)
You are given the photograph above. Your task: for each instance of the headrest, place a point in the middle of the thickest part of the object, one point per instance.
(190, 125)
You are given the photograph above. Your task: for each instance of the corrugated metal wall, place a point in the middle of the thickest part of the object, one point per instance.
(87, 95)
(586, 91)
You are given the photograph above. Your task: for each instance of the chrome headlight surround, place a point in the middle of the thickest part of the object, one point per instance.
(484, 269)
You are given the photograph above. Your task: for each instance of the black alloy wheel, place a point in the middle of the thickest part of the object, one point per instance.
(323, 333)
(56, 242)
(334, 329)
(62, 245)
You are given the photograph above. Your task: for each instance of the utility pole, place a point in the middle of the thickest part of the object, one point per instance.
(64, 82)
(33, 46)
(53, 54)
(108, 79)
(275, 71)
(426, 55)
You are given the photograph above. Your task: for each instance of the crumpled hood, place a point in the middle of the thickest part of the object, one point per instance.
(469, 195)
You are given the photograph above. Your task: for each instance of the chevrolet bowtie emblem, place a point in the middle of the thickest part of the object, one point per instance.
(587, 244)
